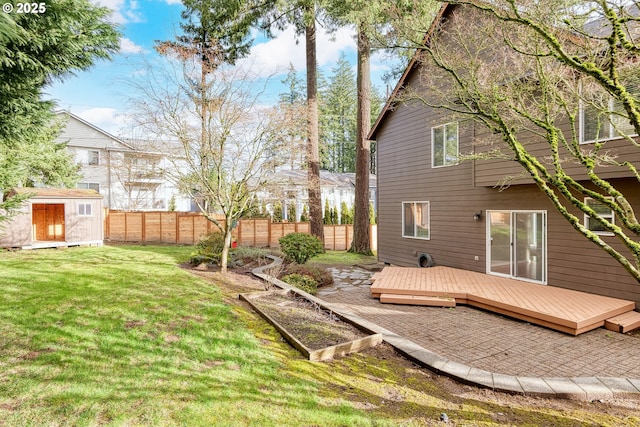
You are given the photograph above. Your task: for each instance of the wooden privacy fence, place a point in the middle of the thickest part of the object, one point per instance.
(187, 228)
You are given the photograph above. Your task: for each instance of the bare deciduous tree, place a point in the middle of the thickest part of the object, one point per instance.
(219, 159)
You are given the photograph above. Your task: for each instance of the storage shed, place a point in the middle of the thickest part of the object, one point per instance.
(55, 217)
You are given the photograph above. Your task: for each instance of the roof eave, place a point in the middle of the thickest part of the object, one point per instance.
(410, 67)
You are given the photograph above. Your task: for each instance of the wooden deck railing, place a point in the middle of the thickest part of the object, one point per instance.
(187, 228)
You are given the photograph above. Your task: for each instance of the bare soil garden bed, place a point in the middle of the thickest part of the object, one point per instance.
(315, 331)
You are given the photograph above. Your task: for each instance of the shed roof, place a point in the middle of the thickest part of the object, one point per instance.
(56, 193)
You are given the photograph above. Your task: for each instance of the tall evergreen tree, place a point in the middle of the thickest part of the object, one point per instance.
(368, 17)
(338, 119)
(292, 106)
(296, 89)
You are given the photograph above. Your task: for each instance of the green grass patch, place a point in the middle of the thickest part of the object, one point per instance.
(122, 336)
(342, 258)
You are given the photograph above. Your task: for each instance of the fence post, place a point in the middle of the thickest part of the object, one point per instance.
(177, 219)
(143, 232)
(126, 228)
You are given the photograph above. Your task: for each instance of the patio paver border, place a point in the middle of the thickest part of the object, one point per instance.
(577, 388)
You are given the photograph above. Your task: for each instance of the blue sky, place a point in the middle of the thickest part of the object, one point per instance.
(100, 95)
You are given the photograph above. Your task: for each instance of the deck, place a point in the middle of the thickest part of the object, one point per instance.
(561, 309)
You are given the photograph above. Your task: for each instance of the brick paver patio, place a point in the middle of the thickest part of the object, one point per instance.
(489, 341)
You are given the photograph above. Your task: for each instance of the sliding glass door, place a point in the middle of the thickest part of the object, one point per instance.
(516, 244)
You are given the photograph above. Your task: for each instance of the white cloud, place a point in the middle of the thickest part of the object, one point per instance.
(330, 45)
(128, 46)
(274, 56)
(123, 11)
(173, 1)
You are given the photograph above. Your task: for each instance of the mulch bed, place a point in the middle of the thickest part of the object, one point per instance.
(312, 325)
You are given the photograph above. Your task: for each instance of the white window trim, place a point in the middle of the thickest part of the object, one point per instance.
(415, 224)
(587, 218)
(89, 154)
(612, 132)
(85, 205)
(444, 126)
(87, 185)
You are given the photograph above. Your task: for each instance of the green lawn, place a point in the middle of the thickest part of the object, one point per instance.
(341, 258)
(119, 335)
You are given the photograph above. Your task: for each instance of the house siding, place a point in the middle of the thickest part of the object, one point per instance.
(490, 172)
(456, 193)
(405, 174)
(456, 238)
(118, 181)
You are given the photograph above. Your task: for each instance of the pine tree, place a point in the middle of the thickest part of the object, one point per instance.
(338, 118)
(304, 216)
(277, 212)
(327, 213)
(345, 214)
(291, 211)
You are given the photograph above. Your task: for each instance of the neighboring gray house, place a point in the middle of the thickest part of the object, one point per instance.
(290, 187)
(55, 217)
(129, 178)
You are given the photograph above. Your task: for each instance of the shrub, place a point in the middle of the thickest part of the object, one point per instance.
(320, 275)
(277, 212)
(304, 216)
(247, 255)
(302, 282)
(209, 249)
(299, 247)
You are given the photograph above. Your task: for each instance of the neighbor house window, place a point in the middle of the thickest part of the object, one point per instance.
(89, 186)
(415, 220)
(604, 211)
(601, 124)
(84, 209)
(93, 157)
(444, 145)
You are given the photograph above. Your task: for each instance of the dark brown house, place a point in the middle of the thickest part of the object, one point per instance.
(432, 207)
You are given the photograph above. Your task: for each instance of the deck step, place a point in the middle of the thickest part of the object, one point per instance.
(624, 323)
(417, 300)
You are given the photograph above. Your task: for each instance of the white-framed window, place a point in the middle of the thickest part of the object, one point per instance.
(444, 145)
(89, 186)
(93, 157)
(604, 211)
(415, 220)
(84, 209)
(604, 123)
